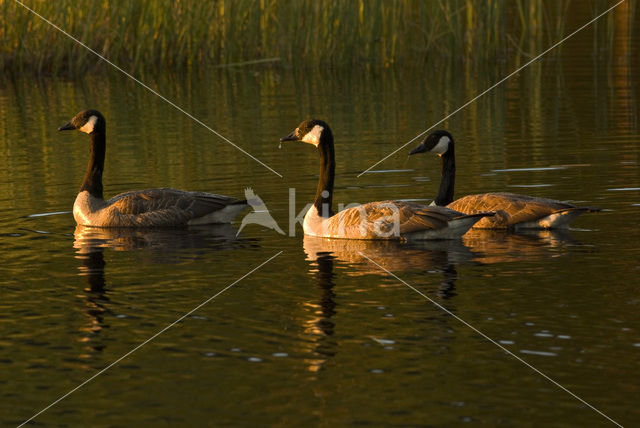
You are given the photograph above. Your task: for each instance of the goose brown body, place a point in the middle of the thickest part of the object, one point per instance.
(155, 208)
(520, 211)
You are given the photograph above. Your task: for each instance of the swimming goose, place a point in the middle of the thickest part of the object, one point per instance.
(513, 211)
(374, 220)
(139, 208)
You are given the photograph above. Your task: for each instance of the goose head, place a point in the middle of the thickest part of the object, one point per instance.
(439, 142)
(87, 121)
(312, 131)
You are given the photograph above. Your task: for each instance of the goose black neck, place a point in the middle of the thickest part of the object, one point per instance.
(93, 178)
(448, 179)
(324, 193)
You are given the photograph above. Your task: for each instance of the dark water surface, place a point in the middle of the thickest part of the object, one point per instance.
(320, 335)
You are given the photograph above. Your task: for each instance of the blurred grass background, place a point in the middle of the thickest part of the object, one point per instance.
(148, 35)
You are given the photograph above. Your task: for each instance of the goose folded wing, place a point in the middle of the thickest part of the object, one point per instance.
(188, 204)
(416, 217)
(523, 208)
(517, 208)
(382, 217)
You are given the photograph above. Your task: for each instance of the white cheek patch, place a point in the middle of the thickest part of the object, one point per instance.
(313, 136)
(442, 146)
(88, 127)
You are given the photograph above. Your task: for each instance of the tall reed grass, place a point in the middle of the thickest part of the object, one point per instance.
(159, 34)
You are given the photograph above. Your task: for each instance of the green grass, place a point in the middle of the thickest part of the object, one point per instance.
(159, 34)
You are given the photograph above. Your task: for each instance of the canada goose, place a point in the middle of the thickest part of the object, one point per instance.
(513, 211)
(139, 208)
(374, 220)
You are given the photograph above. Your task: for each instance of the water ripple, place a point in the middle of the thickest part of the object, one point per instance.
(543, 168)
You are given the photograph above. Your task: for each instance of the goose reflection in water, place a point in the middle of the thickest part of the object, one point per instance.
(167, 241)
(320, 324)
(95, 299)
(351, 255)
(422, 256)
(393, 256)
(354, 258)
(478, 246)
(498, 246)
(164, 244)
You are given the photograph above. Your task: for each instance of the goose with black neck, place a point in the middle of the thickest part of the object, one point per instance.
(161, 207)
(513, 211)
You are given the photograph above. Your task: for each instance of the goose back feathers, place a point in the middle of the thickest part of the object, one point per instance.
(519, 211)
(155, 208)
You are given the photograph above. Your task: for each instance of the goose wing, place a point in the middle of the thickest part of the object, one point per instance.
(388, 219)
(513, 208)
(166, 207)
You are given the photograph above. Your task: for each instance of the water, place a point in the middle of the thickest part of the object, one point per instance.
(321, 334)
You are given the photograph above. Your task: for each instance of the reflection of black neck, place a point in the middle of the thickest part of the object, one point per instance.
(94, 270)
(327, 171)
(448, 285)
(327, 301)
(93, 178)
(448, 179)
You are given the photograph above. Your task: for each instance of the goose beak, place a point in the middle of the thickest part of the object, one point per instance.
(420, 149)
(290, 137)
(68, 127)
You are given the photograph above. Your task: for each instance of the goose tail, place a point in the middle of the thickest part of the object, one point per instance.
(224, 215)
(578, 210)
(560, 219)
